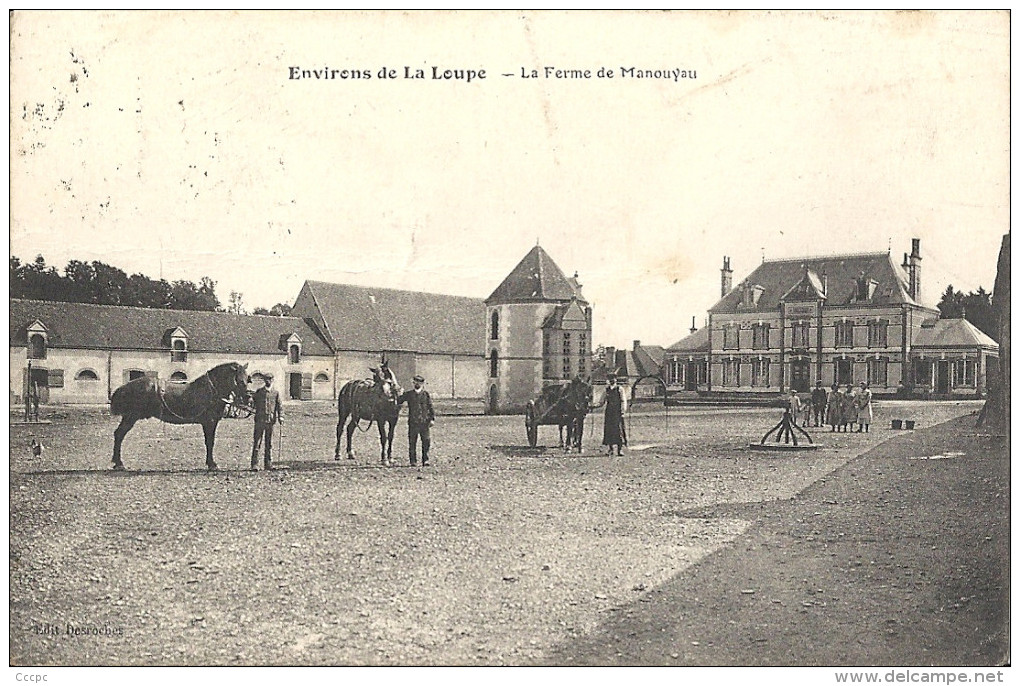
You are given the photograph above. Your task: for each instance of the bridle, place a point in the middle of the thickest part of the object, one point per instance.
(227, 402)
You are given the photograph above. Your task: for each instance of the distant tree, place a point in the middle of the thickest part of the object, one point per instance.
(280, 310)
(104, 284)
(975, 306)
(109, 284)
(261, 310)
(236, 305)
(17, 274)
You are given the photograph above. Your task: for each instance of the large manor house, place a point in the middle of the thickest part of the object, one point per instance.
(839, 319)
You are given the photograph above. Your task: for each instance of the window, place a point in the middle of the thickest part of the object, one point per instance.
(37, 347)
(546, 342)
(844, 334)
(843, 372)
(760, 336)
(582, 344)
(731, 373)
(801, 334)
(731, 337)
(760, 372)
(701, 373)
(294, 353)
(674, 372)
(582, 364)
(321, 377)
(878, 372)
(494, 328)
(86, 375)
(963, 373)
(566, 343)
(493, 363)
(179, 352)
(878, 334)
(566, 364)
(179, 377)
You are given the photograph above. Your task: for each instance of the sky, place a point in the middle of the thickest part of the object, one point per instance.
(178, 145)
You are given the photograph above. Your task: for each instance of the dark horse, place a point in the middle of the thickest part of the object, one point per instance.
(200, 402)
(566, 406)
(375, 401)
(576, 403)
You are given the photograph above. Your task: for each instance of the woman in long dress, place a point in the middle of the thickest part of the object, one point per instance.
(834, 406)
(849, 409)
(612, 428)
(864, 413)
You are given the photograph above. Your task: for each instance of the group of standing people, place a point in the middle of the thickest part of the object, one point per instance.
(268, 408)
(840, 410)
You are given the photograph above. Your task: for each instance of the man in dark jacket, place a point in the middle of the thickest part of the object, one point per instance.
(818, 400)
(420, 418)
(268, 411)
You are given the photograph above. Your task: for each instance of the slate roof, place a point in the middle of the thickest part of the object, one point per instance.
(779, 277)
(536, 278)
(381, 319)
(104, 327)
(697, 342)
(952, 333)
(649, 358)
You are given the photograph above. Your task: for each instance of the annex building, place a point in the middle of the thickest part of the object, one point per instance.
(80, 353)
(839, 319)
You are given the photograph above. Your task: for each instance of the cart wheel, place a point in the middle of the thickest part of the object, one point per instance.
(531, 425)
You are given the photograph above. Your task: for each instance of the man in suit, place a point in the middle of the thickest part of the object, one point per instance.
(268, 411)
(420, 418)
(818, 400)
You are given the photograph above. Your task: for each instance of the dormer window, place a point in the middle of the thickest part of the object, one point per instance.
(752, 294)
(864, 288)
(178, 345)
(38, 338)
(292, 345)
(180, 351)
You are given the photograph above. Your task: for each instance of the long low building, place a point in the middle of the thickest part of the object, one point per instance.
(437, 336)
(80, 353)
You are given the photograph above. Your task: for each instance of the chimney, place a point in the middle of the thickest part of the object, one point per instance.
(727, 277)
(914, 269)
(825, 284)
(693, 327)
(637, 344)
(610, 358)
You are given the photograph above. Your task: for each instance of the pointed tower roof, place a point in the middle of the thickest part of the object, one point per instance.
(536, 278)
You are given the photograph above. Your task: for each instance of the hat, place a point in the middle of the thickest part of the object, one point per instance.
(268, 376)
(419, 377)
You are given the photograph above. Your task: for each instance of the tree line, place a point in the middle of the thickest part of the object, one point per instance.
(103, 284)
(975, 307)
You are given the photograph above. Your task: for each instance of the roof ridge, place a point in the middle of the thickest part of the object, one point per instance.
(391, 290)
(803, 258)
(154, 309)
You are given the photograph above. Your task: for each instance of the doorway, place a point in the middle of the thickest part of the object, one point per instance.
(942, 377)
(800, 375)
(493, 399)
(294, 385)
(41, 379)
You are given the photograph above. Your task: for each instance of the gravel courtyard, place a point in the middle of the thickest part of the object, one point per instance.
(497, 554)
